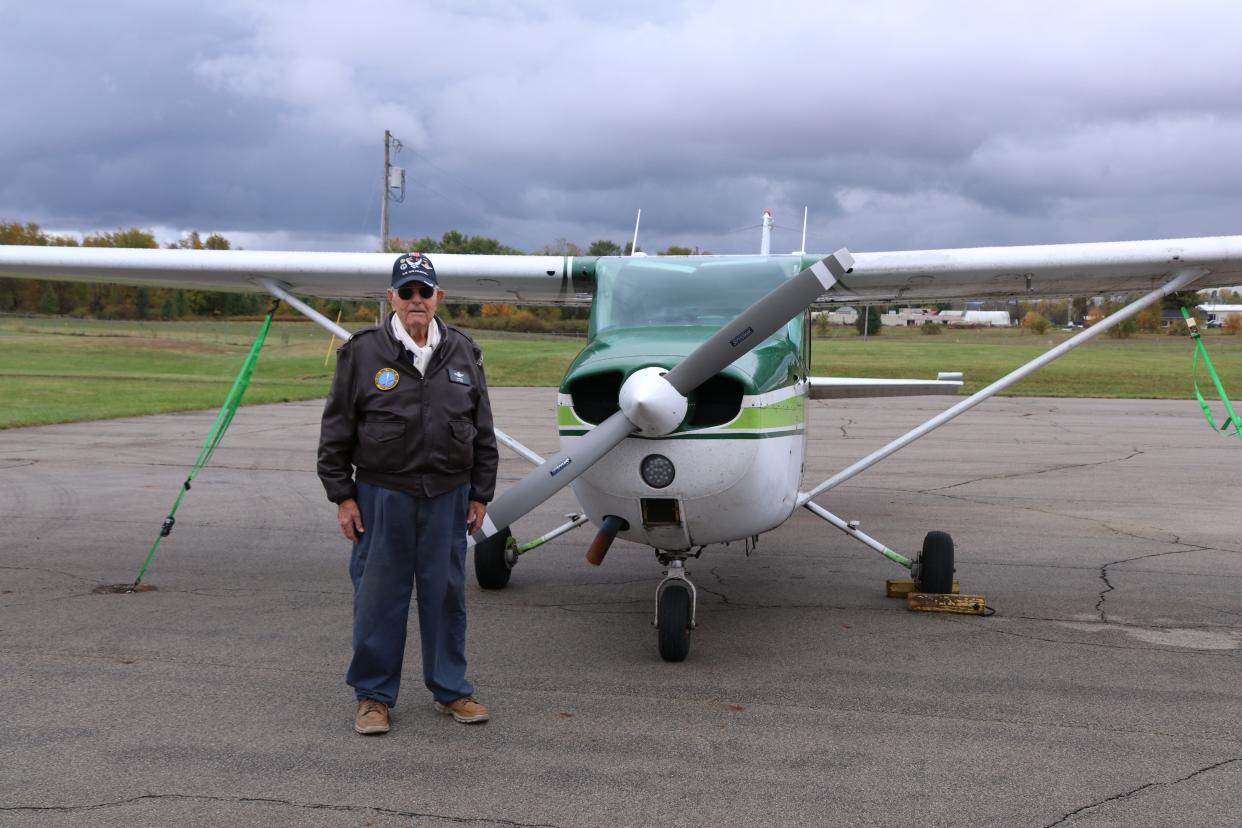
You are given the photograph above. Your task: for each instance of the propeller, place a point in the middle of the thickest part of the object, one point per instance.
(653, 402)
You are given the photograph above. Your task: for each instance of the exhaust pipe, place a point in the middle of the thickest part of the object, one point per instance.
(603, 541)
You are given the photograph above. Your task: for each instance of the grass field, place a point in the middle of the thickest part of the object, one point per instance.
(1145, 366)
(58, 370)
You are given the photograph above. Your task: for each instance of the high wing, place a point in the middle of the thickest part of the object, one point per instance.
(839, 388)
(906, 276)
(1097, 269)
(512, 279)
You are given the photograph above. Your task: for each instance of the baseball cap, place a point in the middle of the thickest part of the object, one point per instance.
(413, 267)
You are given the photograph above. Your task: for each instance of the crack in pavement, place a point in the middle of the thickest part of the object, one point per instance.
(50, 572)
(1130, 793)
(1064, 567)
(263, 800)
(720, 580)
(1135, 453)
(1108, 585)
(50, 599)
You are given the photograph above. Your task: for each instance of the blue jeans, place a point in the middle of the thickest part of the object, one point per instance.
(409, 542)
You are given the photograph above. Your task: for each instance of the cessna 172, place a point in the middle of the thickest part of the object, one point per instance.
(683, 420)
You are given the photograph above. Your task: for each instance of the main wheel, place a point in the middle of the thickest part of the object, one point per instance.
(491, 564)
(674, 623)
(936, 563)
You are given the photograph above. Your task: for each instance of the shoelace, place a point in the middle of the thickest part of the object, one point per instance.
(371, 706)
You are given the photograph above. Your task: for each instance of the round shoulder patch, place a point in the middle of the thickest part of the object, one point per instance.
(386, 379)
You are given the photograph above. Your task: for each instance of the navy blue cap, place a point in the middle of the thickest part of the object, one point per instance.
(413, 267)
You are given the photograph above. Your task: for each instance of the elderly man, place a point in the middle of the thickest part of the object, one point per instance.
(407, 452)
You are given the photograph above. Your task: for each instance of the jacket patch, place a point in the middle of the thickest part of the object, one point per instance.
(458, 377)
(386, 379)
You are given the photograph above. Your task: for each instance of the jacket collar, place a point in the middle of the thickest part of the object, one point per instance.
(395, 345)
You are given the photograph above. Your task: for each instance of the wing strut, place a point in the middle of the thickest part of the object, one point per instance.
(304, 309)
(1179, 280)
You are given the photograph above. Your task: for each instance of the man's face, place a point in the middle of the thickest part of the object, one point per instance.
(416, 312)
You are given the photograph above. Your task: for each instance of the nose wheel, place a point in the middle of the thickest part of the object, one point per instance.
(675, 609)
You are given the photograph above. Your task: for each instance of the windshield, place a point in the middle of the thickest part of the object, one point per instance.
(691, 290)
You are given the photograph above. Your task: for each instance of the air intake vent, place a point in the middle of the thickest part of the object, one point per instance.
(595, 397)
(716, 402)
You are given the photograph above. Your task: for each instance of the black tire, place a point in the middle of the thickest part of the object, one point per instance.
(491, 567)
(936, 563)
(674, 623)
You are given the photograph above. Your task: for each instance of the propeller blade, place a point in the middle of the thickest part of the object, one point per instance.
(758, 322)
(557, 472)
(754, 325)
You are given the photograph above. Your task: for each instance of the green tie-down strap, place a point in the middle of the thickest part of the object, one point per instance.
(1201, 350)
(214, 436)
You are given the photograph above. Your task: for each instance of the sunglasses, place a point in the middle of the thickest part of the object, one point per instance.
(424, 290)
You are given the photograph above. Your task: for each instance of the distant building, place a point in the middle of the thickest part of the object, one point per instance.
(914, 317)
(994, 319)
(981, 318)
(905, 317)
(844, 315)
(1215, 314)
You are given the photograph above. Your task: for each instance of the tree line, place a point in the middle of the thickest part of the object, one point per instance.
(105, 301)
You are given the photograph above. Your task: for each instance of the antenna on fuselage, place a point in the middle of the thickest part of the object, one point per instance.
(765, 240)
(634, 244)
(805, 211)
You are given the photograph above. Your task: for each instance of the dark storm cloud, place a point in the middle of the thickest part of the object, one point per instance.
(900, 125)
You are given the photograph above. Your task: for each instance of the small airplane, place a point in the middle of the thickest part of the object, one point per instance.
(683, 420)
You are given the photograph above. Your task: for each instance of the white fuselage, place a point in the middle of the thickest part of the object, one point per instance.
(732, 481)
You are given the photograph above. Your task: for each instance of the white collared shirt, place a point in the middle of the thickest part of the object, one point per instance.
(421, 356)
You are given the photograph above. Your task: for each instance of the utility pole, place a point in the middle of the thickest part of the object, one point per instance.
(391, 173)
(394, 179)
(384, 198)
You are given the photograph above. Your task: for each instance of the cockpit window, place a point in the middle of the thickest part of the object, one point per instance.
(694, 290)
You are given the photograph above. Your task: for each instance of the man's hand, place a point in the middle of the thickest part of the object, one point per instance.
(350, 519)
(474, 516)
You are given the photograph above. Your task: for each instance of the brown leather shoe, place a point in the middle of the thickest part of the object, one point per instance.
(371, 718)
(466, 710)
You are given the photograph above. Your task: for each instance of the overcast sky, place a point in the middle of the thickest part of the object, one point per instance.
(900, 125)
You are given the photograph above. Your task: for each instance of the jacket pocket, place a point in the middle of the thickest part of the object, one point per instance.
(380, 445)
(461, 445)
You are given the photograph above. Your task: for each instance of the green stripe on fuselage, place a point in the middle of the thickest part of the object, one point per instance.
(565, 416)
(710, 435)
(787, 412)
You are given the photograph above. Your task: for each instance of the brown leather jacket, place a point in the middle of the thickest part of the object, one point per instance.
(401, 430)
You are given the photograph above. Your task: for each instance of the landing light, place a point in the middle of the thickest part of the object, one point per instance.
(657, 471)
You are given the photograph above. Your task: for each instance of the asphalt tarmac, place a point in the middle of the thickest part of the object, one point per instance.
(1106, 689)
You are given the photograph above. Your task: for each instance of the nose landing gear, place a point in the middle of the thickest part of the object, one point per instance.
(676, 602)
